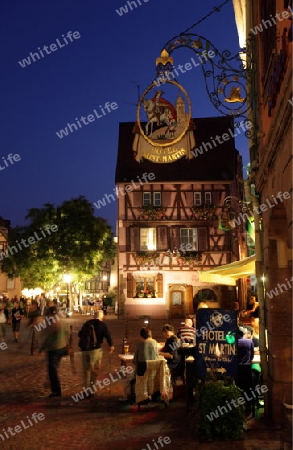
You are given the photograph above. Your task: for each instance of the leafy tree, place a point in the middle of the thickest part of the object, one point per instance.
(64, 239)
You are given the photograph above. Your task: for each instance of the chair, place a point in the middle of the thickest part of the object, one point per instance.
(156, 379)
(179, 371)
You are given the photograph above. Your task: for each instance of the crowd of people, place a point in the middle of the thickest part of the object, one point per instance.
(55, 343)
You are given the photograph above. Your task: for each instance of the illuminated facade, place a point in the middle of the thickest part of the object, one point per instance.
(173, 223)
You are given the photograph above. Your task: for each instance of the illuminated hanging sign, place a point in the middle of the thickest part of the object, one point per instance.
(163, 129)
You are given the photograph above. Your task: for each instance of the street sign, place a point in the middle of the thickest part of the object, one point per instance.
(216, 342)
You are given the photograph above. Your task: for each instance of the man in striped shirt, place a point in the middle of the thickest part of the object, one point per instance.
(186, 332)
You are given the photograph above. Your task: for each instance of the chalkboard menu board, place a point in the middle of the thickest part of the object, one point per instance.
(216, 342)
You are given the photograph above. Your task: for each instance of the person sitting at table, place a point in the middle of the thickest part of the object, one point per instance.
(146, 350)
(253, 308)
(170, 351)
(186, 332)
(255, 327)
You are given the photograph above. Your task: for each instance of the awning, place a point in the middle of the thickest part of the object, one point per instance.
(228, 274)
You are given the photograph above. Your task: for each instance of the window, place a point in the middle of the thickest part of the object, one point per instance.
(176, 298)
(152, 200)
(145, 286)
(208, 198)
(148, 239)
(197, 198)
(157, 198)
(188, 236)
(147, 199)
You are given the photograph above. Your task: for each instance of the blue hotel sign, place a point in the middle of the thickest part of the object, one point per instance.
(216, 342)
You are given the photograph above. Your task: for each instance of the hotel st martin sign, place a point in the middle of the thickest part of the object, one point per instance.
(216, 342)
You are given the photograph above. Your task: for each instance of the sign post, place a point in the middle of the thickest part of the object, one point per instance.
(216, 342)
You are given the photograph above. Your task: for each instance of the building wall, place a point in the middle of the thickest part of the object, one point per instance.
(218, 247)
(8, 287)
(273, 154)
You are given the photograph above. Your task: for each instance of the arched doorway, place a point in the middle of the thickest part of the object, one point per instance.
(204, 295)
(180, 300)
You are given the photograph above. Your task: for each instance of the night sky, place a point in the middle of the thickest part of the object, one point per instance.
(108, 57)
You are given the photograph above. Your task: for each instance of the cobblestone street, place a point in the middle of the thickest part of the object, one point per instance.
(102, 422)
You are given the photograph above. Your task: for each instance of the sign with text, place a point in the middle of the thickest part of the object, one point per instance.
(216, 342)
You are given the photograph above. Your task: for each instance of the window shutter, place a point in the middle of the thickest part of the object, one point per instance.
(160, 285)
(188, 299)
(129, 285)
(137, 198)
(134, 239)
(202, 239)
(175, 237)
(162, 238)
(216, 198)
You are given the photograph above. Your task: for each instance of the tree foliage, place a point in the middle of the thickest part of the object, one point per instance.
(79, 245)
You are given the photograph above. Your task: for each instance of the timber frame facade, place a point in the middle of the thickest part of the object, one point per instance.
(175, 225)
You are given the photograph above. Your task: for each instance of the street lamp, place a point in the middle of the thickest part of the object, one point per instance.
(67, 278)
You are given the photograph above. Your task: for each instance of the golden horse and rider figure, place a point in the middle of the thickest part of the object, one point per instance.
(161, 112)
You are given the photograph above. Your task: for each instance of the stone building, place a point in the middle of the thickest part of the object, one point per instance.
(267, 27)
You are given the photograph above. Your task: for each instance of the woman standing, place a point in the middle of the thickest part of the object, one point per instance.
(146, 350)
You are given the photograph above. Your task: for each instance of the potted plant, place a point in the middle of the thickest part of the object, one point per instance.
(153, 212)
(192, 258)
(218, 417)
(203, 212)
(142, 258)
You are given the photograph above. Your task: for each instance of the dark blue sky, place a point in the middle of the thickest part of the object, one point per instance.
(101, 66)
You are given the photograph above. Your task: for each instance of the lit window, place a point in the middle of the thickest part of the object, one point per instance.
(188, 236)
(145, 286)
(208, 198)
(197, 198)
(148, 239)
(147, 199)
(157, 198)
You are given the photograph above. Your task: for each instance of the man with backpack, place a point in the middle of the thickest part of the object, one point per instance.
(91, 337)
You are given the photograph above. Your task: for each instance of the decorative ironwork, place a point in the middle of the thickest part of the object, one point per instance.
(241, 205)
(226, 75)
(232, 206)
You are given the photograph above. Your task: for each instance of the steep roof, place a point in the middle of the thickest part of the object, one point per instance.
(216, 164)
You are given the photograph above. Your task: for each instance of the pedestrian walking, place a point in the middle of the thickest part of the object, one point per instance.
(17, 314)
(91, 337)
(34, 317)
(54, 344)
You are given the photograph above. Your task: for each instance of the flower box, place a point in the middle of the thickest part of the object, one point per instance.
(203, 212)
(153, 213)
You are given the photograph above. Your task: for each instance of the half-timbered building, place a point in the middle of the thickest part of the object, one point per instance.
(173, 221)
